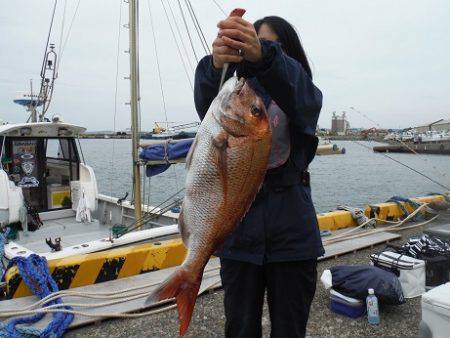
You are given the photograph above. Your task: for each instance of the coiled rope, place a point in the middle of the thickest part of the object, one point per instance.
(34, 272)
(114, 297)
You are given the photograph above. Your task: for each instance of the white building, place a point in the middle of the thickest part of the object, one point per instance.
(439, 125)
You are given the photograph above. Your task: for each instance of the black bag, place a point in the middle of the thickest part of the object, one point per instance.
(354, 281)
(437, 269)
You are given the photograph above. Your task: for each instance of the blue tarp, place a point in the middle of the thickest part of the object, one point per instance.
(167, 151)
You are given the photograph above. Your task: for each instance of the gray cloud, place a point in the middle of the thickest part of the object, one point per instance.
(389, 59)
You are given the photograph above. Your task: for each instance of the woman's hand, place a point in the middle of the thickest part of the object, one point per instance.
(240, 35)
(222, 53)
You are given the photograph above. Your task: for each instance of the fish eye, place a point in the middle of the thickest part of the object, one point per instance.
(256, 111)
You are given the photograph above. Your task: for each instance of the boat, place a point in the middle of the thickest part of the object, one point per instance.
(49, 197)
(325, 147)
(168, 130)
(434, 136)
(42, 167)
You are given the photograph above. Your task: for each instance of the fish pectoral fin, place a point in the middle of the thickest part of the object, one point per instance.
(190, 153)
(220, 142)
(181, 287)
(185, 234)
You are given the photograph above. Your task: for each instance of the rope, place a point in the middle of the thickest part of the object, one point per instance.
(157, 60)
(63, 20)
(180, 36)
(116, 90)
(48, 38)
(358, 215)
(187, 30)
(116, 296)
(400, 201)
(220, 8)
(63, 47)
(197, 27)
(176, 44)
(395, 226)
(406, 166)
(34, 272)
(154, 213)
(43, 92)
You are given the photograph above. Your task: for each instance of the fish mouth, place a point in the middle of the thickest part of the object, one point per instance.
(239, 85)
(224, 114)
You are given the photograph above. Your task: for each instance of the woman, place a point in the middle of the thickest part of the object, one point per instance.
(275, 247)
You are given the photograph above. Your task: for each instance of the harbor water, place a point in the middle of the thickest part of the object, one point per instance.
(358, 178)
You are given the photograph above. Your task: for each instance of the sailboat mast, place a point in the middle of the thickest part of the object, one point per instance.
(135, 128)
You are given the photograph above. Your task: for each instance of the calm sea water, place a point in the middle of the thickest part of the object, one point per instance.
(357, 178)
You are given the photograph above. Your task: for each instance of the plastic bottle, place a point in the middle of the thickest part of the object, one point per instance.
(373, 316)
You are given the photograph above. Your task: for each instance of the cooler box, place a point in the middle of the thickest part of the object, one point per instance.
(410, 271)
(436, 312)
(437, 270)
(346, 306)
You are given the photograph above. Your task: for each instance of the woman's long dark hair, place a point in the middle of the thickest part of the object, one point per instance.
(288, 38)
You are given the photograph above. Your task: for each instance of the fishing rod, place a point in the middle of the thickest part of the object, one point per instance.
(153, 213)
(235, 12)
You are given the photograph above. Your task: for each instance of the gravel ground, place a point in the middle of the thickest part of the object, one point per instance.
(209, 319)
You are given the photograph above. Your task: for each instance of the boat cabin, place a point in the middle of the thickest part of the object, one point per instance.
(40, 164)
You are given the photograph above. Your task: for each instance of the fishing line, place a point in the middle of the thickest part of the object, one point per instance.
(407, 166)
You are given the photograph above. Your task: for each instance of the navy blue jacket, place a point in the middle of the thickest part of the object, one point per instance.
(281, 224)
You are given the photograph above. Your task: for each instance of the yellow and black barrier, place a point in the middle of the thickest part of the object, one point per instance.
(391, 211)
(103, 266)
(132, 260)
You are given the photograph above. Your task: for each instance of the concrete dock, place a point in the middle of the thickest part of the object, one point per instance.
(422, 148)
(209, 319)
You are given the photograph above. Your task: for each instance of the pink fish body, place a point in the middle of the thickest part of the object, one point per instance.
(225, 169)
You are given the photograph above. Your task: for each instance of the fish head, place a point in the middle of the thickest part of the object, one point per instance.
(241, 111)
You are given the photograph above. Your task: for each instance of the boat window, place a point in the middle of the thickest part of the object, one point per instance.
(3, 157)
(60, 149)
(43, 168)
(25, 168)
(61, 169)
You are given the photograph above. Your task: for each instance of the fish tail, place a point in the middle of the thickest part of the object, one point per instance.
(181, 286)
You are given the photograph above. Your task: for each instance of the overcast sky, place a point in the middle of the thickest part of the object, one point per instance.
(388, 59)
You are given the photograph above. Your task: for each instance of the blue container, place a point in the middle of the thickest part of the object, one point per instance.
(346, 306)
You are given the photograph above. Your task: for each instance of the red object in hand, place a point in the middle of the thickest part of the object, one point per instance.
(237, 12)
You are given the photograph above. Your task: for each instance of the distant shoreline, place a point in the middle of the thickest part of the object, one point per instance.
(332, 138)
